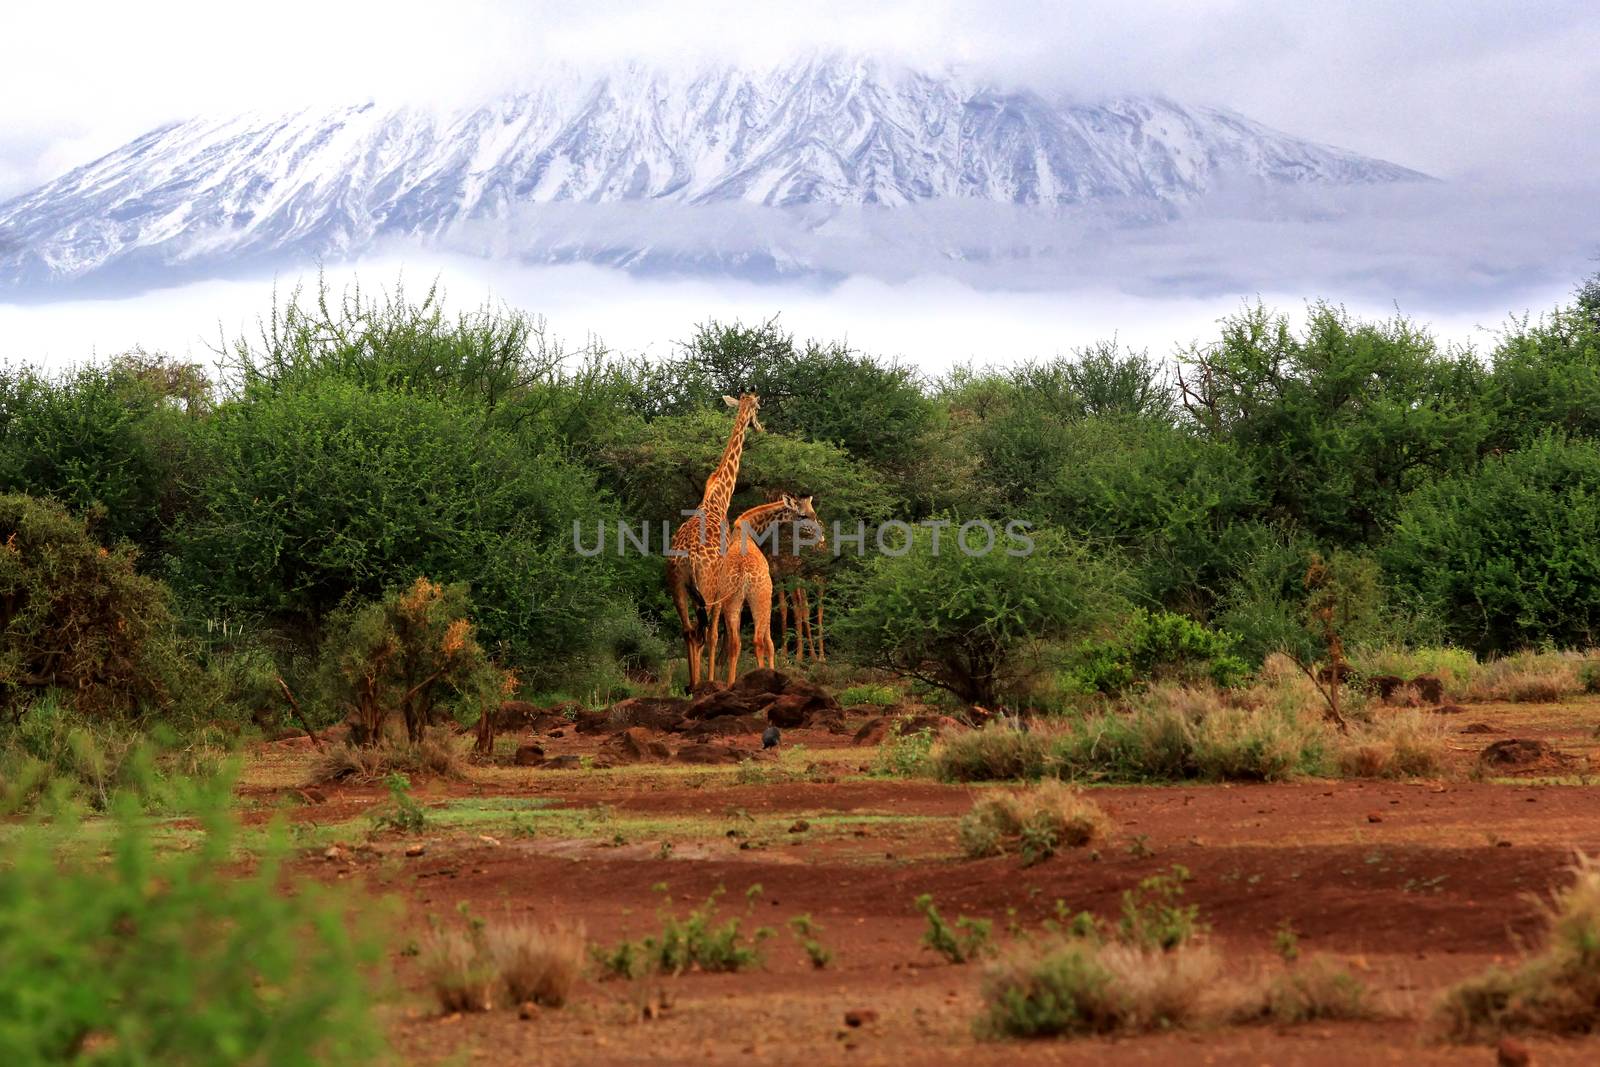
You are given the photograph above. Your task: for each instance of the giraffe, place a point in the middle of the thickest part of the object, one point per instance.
(695, 547)
(743, 576)
(797, 575)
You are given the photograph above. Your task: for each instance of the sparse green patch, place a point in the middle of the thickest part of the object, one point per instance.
(967, 940)
(696, 941)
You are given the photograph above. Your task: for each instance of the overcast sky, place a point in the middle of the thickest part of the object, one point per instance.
(1502, 100)
(1453, 87)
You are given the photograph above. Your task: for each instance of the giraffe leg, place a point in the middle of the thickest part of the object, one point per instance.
(693, 630)
(733, 618)
(802, 623)
(783, 620)
(761, 613)
(822, 649)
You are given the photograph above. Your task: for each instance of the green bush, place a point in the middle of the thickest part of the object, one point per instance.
(1507, 556)
(327, 492)
(78, 618)
(110, 443)
(1157, 647)
(968, 623)
(967, 940)
(413, 653)
(695, 941)
(176, 957)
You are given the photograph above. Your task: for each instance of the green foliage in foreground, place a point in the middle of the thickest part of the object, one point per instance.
(175, 958)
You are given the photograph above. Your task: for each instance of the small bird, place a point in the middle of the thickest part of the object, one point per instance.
(771, 738)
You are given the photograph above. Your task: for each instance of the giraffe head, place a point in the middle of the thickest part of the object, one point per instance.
(803, 513)
(748, 405)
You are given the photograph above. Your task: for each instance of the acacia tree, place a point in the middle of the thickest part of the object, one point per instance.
(413, 652)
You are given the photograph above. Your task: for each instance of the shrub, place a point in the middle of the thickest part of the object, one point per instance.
(695, 941)
(1035, 822)
(413, 652)
(881, 695)
(176, 957)
(1158, 647)
(1152, 916)
(78, 618)
(57, 753)
(536, 964)
(108, 442)
(1507, 555)
(1308, 992)
(1528, 678)
(905, 755)
(968, 939)
(1555, 990)
(805, 929)
(1400, 744)
(996, 752)
(1074, 988)
(437, 754)
(458, 972)
(1457, 668)
(320, 492)
(966, 623)
(1176, 733)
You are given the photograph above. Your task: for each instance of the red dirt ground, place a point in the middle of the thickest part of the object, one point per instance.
(1413, 885)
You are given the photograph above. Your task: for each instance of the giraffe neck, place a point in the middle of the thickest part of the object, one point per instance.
(754, 522)
(719, 487)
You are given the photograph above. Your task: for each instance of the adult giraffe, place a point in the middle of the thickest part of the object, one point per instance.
(698, 543)
(744, 576)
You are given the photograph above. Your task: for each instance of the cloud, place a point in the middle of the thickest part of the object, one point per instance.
(1446, 87)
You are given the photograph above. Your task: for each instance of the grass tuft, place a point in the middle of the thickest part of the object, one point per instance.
(1033, 822)
(1556, 990)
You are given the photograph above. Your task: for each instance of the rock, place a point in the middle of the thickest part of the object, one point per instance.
(1449, 709)
(1430, 687)
(728, 726)
(528, 756)
(492, 842)
(665, 714)
(416, 850)
(872, 732)
(1512, 1053)
(528, 1010)
(937, 723)
(762, 680)
(771, 737)
(719, 702)
(858, 1017)
(1519, 753)
(1385, 684)
(1373, 816)
(635, 745)
(710, 755)
(1478, 728)
(592, 722)
(561, 763)
(335, 854)
(799, 826)
(550, 722)
(789, 711)
(516, 715)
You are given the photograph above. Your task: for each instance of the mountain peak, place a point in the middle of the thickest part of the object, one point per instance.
(827, 131)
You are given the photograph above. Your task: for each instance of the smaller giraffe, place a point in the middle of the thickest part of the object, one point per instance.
(744, 577)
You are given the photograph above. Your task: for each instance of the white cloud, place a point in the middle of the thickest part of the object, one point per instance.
(1437, 84)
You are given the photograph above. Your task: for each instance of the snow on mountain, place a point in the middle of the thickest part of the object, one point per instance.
(212, 196)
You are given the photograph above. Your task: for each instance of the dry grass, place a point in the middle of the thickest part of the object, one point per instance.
(1034, 822)
(1556, 990)
(1073, 988)
(1457, 668)
(458, 974)
(536, 964)
(504, 965)
(1404, 743)
(438, 754)
(1529, 678)
(1317, 989)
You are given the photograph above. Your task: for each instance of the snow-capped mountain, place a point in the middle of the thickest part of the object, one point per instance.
(607, 156)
